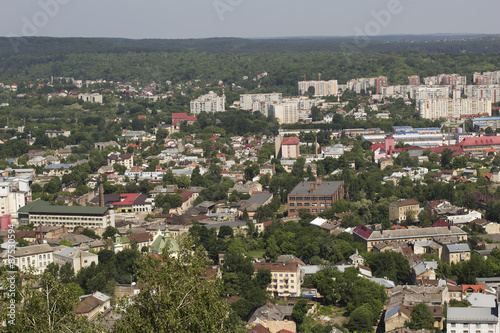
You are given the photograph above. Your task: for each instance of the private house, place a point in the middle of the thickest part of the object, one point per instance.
(423, 271)
(273, 318)
(399, 210)
(92, 305)
(127, 160)
(314, 197)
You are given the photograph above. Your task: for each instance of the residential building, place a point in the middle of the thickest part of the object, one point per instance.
(314, 197)
(472, 319)
(321, 88)
(370, 238)
(125, 202)
(272, 318)
(454, 108)
(102, 145)
(127, 160)
(285, 278)
(54, 134)
(210, 102)
(35, 257)
(399, 210)
(41, 212)
(414, 80)
(287, 148)
(285, 113)
(78, 258)
(14, 194)
(258, 102)
(454, 253)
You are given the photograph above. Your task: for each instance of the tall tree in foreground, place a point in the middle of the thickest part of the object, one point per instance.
(421, 318)
(176, 297)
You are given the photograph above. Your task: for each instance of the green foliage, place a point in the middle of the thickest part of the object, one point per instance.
(188, 302)
(361, 319)
(389, 264)
(109, 232)
(299, 311)
(421, 318)
(90, 233)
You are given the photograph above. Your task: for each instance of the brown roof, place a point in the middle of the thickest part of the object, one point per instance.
(87, 305)
(280, 267)
(141, 237)
(407, 202)
(258, 329)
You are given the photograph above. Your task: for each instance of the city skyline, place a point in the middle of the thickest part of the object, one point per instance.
(240, 18)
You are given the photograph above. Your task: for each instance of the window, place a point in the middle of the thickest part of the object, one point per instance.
(291, 275)
(291, 204)
(453, 324)
(281, 275)
(306, 204)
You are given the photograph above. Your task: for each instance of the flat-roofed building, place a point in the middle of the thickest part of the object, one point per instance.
(314, 196)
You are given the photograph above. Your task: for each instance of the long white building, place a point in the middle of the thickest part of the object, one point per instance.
(253, 101)
(453, 108)
(321, 88)
(210, 102)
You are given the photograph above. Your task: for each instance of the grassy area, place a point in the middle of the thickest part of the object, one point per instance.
(282, 207)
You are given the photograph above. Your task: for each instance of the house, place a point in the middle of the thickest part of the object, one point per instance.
(399, 210)
(473, 319)
(274, 318)
(314, 197)
(423, 271)
(453, 253)
(78, 258)
(356, 259)
(92, 305)
(287, 148)
(285, 278)
(385, 162)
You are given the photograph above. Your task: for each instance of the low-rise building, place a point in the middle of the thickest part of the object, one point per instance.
(35, 257)
(78, 258)
(314, 197)
(399, 210)
(92, 305)
(453, 253)
(285, 278)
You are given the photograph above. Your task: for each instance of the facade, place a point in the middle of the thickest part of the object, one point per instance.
(79, 259)
(14, 194)
(93, 305)
(285, 278)
(453, 108)
(454, 253)
(210, 102)
(399, 210)
(254, 102)
(36, 257)
(472, 319)
(91, 98)
(369, 237)
(41, 212)
(321, 88)
(287, 148)
(125, 202)
(315, 197)
(286, 113)
(54, 134)
(414, 80)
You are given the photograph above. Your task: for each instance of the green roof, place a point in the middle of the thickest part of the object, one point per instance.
(44, 207)
(165, 240)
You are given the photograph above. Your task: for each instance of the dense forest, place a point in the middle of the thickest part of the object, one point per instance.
(232, 60)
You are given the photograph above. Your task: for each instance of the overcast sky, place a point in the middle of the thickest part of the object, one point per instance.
(244, 18)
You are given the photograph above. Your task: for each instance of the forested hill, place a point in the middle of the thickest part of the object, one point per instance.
(403, 43)
(231, 60)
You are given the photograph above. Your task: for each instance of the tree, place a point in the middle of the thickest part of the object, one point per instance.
(49, 308)
(109, 232)
(421, 318)
(361, 319)
(446, 158)
(175, 285)
(299, 311)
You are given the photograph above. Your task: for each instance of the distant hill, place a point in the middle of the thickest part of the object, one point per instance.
(441, 43)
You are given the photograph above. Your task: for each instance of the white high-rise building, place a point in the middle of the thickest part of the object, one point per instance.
(210, 102)
(454, 108)
(286, 113)
(248, 101)
(321, 88)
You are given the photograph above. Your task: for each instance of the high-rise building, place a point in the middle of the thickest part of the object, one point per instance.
(286, 113)
(414, 80)
(454, 108)
(210, 102)
(321, 88)
(381, 81)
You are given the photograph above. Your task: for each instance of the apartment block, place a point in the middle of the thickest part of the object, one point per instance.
(314, 197)
(210, 102)
(35, 257)
(285, 278)
(321, 88)
(454, 108)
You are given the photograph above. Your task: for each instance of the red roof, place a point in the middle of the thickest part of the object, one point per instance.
(214, 138)
(179, 115)
(128, 199)
(290, 141)
(482, 141)
(397, 227)
(457, 150)
(362, 231)
(442, 223)
(475, 287)
(376, 146)
(186, 195)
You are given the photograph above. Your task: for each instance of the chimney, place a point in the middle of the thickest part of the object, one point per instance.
(313, 188)
(316, 145)
(319, 181)
(101, 192)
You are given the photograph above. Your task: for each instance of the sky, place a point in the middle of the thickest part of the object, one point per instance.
(182, 19)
